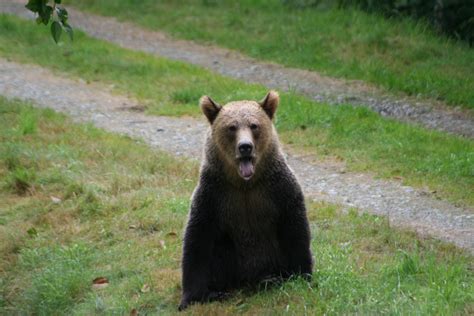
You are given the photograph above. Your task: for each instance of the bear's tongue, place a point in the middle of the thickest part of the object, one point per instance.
(246, 169)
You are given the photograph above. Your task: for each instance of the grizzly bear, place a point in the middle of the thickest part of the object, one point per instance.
(247, 221)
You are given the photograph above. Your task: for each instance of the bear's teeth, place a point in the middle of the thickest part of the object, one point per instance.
(246, 169)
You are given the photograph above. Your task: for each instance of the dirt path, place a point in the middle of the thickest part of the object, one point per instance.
(403, 205)
(233, 64)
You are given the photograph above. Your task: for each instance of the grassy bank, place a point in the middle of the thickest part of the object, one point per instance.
(77, 203)
(399, 55)
(359, 137)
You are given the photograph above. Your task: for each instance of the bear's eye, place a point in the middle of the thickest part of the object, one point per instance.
(232, 128)
(253, 126)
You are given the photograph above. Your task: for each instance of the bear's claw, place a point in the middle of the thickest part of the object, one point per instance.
(212, 296)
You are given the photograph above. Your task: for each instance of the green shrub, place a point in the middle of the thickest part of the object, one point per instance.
(452, 17)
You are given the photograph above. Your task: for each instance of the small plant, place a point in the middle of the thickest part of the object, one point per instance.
(54, 13)
(409, 265)
(186, 96)
(28, 123)
(21, 180)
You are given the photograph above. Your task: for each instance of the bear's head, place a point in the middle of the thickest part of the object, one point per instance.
(242, 131)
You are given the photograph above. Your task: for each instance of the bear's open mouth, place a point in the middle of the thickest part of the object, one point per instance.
(246, 168)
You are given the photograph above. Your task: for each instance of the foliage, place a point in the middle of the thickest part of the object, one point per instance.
(55, 14)
(453, 17)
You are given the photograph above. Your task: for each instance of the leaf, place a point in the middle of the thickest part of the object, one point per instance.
(100, 280)
(45, 13)
(100, 283)
(68, 30)
(62, 15)
(34, 5)
(134, 312)
(56, 31)
(57, 1)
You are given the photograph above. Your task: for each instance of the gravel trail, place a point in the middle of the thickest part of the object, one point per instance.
(236, 65)
(403, 205)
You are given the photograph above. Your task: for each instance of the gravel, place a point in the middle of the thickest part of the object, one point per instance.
(403, 205)
(432, 115)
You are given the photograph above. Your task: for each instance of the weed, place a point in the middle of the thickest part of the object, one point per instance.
(27, 122)
(21, 180)
(187, 96)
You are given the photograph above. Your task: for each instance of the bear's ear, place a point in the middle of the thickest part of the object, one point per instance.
(270, 103)
(209, 108)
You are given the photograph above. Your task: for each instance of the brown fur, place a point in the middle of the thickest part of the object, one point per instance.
(222, 143)
(243, 230)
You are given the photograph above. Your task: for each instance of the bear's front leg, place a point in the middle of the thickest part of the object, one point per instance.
(295, 238)
(198, 244)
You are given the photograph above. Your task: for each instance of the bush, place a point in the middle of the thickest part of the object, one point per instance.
(452, 17)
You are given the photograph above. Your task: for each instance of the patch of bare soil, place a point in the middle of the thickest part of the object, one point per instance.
(431, 114)
(404, 206)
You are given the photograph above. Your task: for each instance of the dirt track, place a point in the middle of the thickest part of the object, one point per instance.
(403, 205)
(230, 63)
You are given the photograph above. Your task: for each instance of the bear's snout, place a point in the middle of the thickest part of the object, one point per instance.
(246, 155)
(245, 149)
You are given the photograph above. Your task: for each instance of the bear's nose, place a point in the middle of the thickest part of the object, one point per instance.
(246, 148)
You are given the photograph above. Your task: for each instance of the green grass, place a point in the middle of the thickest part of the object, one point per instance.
(119, 210)
(360, 138)
(397, 54)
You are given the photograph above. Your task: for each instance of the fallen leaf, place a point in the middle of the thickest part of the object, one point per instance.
(134, 312)
(100, 283)
(100, 280)
(145, 288)
(171, 234)
(55, 200)
(132, 227)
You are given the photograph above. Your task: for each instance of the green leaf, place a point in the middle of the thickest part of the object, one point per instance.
(45, 14)
(62, 14)
(34, 5)
(56, 31)
(68, 29)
